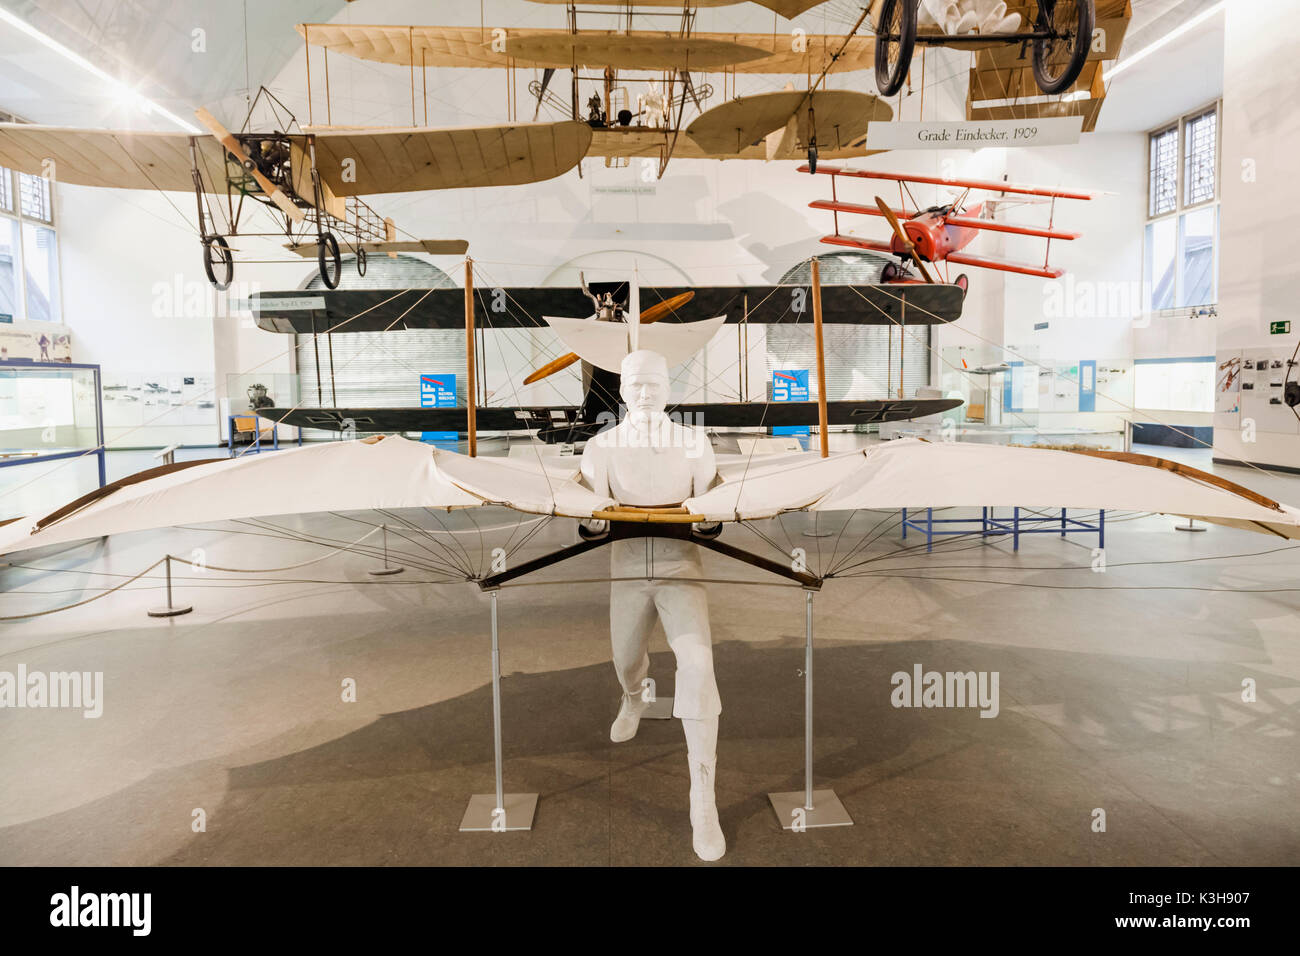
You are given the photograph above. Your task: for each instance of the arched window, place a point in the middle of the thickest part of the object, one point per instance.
(374, 369)
(862, 361)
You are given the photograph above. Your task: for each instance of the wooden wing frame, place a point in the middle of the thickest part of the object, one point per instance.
(354, 162)
(112, 159)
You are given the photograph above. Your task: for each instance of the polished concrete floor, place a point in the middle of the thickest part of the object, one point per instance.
(1119, 691)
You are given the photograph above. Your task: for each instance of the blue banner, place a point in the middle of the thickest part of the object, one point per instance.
(790, 385)
(438, 391)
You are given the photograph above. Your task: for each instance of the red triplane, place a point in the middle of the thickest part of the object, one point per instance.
(939, 233)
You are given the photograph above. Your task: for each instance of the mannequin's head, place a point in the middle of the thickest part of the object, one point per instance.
(645, 386)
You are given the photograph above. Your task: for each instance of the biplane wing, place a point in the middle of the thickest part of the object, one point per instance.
(548, 420)
(994, 186)
(433, 247)
(956, 258)
(1005, 265)
(965, 222)
(786, 8)
(477, 48)
(114, 159)
(376, 310)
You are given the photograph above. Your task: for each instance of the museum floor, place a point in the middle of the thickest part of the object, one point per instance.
(1129, 701)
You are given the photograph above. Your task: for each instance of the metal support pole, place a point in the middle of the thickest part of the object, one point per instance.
(800, 810)
(499, 811)
(496, 709)
(172, 609)
(386, 569)
(808, 702)
(471, 427)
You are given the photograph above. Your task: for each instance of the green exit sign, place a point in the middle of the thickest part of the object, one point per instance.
(1279, 328)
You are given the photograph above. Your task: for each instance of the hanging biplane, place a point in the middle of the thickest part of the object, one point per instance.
(517, 308)
(633, 87)
(940, 233)
(311, 182)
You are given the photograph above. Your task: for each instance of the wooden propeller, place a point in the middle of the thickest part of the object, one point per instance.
(652, 314)
(236, 149)
(908, 244)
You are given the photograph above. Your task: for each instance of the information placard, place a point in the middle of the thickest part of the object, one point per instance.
(975, 134)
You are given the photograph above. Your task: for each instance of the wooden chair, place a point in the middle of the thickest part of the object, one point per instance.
(247, 425)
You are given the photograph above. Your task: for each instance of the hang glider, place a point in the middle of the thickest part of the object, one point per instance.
(392, 472)
(940, 233)
(310, 181)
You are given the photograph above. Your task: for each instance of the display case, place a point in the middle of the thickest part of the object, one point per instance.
(50, 411)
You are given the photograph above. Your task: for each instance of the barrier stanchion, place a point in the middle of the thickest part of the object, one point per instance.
(172, 609)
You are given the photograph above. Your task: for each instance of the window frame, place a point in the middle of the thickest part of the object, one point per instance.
(1181, 206)
(15, 213)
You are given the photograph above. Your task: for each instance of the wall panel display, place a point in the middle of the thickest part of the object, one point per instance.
(159, 400)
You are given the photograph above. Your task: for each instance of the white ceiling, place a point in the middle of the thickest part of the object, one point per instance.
(1181, 76)
(148, 44)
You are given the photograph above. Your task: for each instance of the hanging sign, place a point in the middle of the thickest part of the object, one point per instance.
(975, 134)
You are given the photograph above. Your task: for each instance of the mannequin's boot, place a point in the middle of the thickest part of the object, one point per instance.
(628, 719)
(706, 831)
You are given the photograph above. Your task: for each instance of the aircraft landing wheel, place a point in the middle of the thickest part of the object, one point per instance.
(331, 263)
(812, 159)
(1059, 59)
(895, 44)
(362, 261)
(893, 272)
(217, 260)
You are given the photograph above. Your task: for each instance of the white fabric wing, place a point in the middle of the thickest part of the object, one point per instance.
(329, 476)
(604, 344)
(914, 474)
(521, 484)
(760, 486)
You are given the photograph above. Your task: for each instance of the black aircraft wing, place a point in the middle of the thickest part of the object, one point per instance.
(560, 422)
(376, 310)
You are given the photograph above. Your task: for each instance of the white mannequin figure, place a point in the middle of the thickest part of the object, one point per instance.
(649, 460)
(957, 17)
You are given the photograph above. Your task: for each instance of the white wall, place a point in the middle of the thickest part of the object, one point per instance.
(139, 304)
(1259, 273)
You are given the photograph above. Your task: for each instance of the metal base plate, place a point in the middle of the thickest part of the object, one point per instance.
(827, 810)
(1190, 527)
(380, 572)
(170, 611)
(519, 807)
(661, 709)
